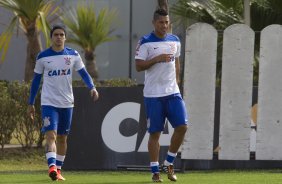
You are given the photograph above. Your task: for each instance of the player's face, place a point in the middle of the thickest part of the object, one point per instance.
(161, 25)
(58, 38)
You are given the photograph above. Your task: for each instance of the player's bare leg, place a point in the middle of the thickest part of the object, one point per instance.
(177, 138)
(154, 146)
(61, 144)
(154, 149)
(61, 152)
(176, 141)
(51, 153)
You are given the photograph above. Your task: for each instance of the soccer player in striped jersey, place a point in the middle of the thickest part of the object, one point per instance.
(158, 55)
(56, 65)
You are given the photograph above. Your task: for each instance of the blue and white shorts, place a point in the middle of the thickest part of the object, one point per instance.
(158, 109)
(58, 119)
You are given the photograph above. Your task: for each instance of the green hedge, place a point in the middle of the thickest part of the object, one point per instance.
(15, 121)
(109, 83)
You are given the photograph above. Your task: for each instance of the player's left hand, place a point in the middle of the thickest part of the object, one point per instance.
(94, 94)
(31, 112)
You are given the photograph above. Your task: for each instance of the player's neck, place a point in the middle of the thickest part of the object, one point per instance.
(57, 48)
(160, 35)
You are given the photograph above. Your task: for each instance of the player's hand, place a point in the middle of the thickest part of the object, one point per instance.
(31, 112)
(94, 94)
(164, 58)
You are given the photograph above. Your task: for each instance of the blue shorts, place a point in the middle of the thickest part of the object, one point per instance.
(158, 109)
(58, 119)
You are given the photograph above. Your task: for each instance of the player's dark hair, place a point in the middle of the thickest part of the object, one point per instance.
(160, 12)
(57, 27)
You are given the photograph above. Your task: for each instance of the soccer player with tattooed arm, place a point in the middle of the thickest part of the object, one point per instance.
(56, 65)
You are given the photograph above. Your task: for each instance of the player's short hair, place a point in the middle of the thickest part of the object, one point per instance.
(160, 12)
(57, 27)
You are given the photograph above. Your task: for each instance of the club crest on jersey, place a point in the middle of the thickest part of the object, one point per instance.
(172, 47)
(67, 60)
(59, 72)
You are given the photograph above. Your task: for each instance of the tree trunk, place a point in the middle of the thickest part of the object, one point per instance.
(163, 4)
(33, 48)
(91, 64)
(247, 13)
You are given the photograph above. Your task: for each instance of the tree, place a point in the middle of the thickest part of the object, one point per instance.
(223, 13)
(163, 4)
(30, 16)
(247, 13)
(219, 13)
(264, 13)
(88, 29)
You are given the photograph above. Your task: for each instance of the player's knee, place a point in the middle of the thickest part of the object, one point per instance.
(154, 137)
(61, 139)
(181, 129)
(50, 136)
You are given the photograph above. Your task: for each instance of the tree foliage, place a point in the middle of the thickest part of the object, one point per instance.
(89, 28)
(223, 13)
(30, 17)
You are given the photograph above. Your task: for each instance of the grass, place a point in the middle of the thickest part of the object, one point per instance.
(18, 159)
(119, 177)
(19, 166)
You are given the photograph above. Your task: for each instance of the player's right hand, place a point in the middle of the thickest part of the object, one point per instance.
(31, 112)
(164, 58)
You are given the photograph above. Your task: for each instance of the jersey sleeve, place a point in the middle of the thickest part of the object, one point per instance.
(86, 78)
(78, 63)
(34, 88)
(141, 51)
(39, 66)
(178, 51)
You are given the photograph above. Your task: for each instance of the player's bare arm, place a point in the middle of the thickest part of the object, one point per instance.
(141, 65)
(31, 111)
(177, 70)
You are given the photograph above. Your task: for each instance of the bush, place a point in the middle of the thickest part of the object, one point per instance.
(15, 122)
(8, 114)
(109, 83)
(27, 132)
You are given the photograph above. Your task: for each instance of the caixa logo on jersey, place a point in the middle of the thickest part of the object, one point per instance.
(113, 133)
(59, 72)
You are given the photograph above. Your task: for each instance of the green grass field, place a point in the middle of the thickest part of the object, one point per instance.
(119, 177)
(19, 167)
